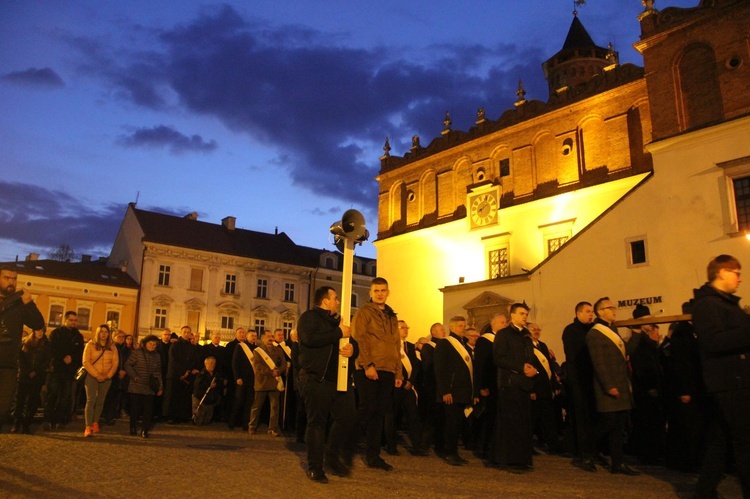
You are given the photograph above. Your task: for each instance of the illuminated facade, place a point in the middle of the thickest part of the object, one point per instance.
(216, 277)
(618, 186)
(97, 293)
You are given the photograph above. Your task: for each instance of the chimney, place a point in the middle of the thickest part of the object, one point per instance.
(32, 257)
(228, 223)
(192, 216)
(85, 258)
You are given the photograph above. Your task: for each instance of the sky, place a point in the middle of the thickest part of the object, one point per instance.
(274, 112)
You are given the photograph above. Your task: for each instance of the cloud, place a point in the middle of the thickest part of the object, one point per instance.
(44, 77)
(40, 219)
(324, 106)
(334, 210)
(166, 136)
(46, 218)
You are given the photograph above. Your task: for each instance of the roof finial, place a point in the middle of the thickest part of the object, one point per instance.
(387, 148)
(521, 93)
(576, 4)
(447, 123)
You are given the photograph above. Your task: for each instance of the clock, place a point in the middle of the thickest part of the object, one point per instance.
(483, 208)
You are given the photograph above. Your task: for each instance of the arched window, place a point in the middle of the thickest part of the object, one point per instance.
(699, 86)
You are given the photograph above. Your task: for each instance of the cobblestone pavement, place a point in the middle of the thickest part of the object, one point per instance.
(187, 461)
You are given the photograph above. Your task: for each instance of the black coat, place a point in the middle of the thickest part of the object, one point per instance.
(183, 357)
(13, 316)
(37, 360)
(723, 330)
(452, 374)
(511, 350)
(578, 368)
(485, 374)
(63, 342)
(681, 362)
(242, 367)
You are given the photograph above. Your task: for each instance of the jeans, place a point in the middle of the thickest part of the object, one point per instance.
(96, 393)
(374, 398)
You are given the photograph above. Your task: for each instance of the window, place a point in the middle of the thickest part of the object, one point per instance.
(554, 243)
(230, 284)
(499, 266)
(637, 251)
(288, 291)
(262, 289)
(160, 318)
(287, 327)
(505, 167)
(354, 300)
(329, 262)
(260, 326)
(227, 322)
(742, 202)
(55, 315)
(164, 271)
(84, 317)
(113, 320)
(196, 279)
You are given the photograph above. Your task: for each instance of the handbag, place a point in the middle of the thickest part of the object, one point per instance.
(153, 380)
(81, 372)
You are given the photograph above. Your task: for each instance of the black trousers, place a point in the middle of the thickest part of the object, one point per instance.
(582, 417)
(455, 421)
(612, 425)
(141, 406)
(729, 423)
(57, 408)
(404, 405)
(321, 400)
(374, 398)
(8, 380)
(28, 400)
(244, 396)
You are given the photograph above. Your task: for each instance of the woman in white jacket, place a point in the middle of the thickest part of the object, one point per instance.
(100, 359)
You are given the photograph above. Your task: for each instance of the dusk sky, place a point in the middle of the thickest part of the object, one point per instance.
(274, 112)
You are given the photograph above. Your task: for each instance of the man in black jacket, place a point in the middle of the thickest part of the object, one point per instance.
(15, 311)
(319, 332)
(66, 343)
(454, 372)
(579, 380)
(723, 330)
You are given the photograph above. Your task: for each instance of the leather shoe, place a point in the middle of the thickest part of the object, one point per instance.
(454, 460)
(392, 450)
(585, 465)
(317, 476)
(602, 460)
(624, 469)
(519, 469)
(419, 451)
(379, 464)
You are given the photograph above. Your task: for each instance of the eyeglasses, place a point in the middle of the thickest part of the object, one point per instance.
(734, 272)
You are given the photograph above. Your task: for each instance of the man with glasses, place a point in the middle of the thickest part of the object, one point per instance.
(614, 397)
(723, 331)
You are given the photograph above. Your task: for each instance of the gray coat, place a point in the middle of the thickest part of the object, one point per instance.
(610, 371)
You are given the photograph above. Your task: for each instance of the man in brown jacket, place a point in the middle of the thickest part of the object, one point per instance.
(375, 327)
(268, 362)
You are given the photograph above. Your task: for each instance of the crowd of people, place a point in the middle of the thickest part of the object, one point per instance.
(677, 399)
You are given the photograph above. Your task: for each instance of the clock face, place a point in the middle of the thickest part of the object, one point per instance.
(483, 209)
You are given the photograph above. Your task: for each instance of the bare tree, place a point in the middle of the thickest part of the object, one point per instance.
(63, 253)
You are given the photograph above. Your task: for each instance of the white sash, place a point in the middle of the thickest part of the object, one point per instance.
(464, 355)
(489, 336)
(543, 361)
(613, 337)
(406, 362)
(285, 347)
(269, 362)
(431, 343)
(248, 354)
